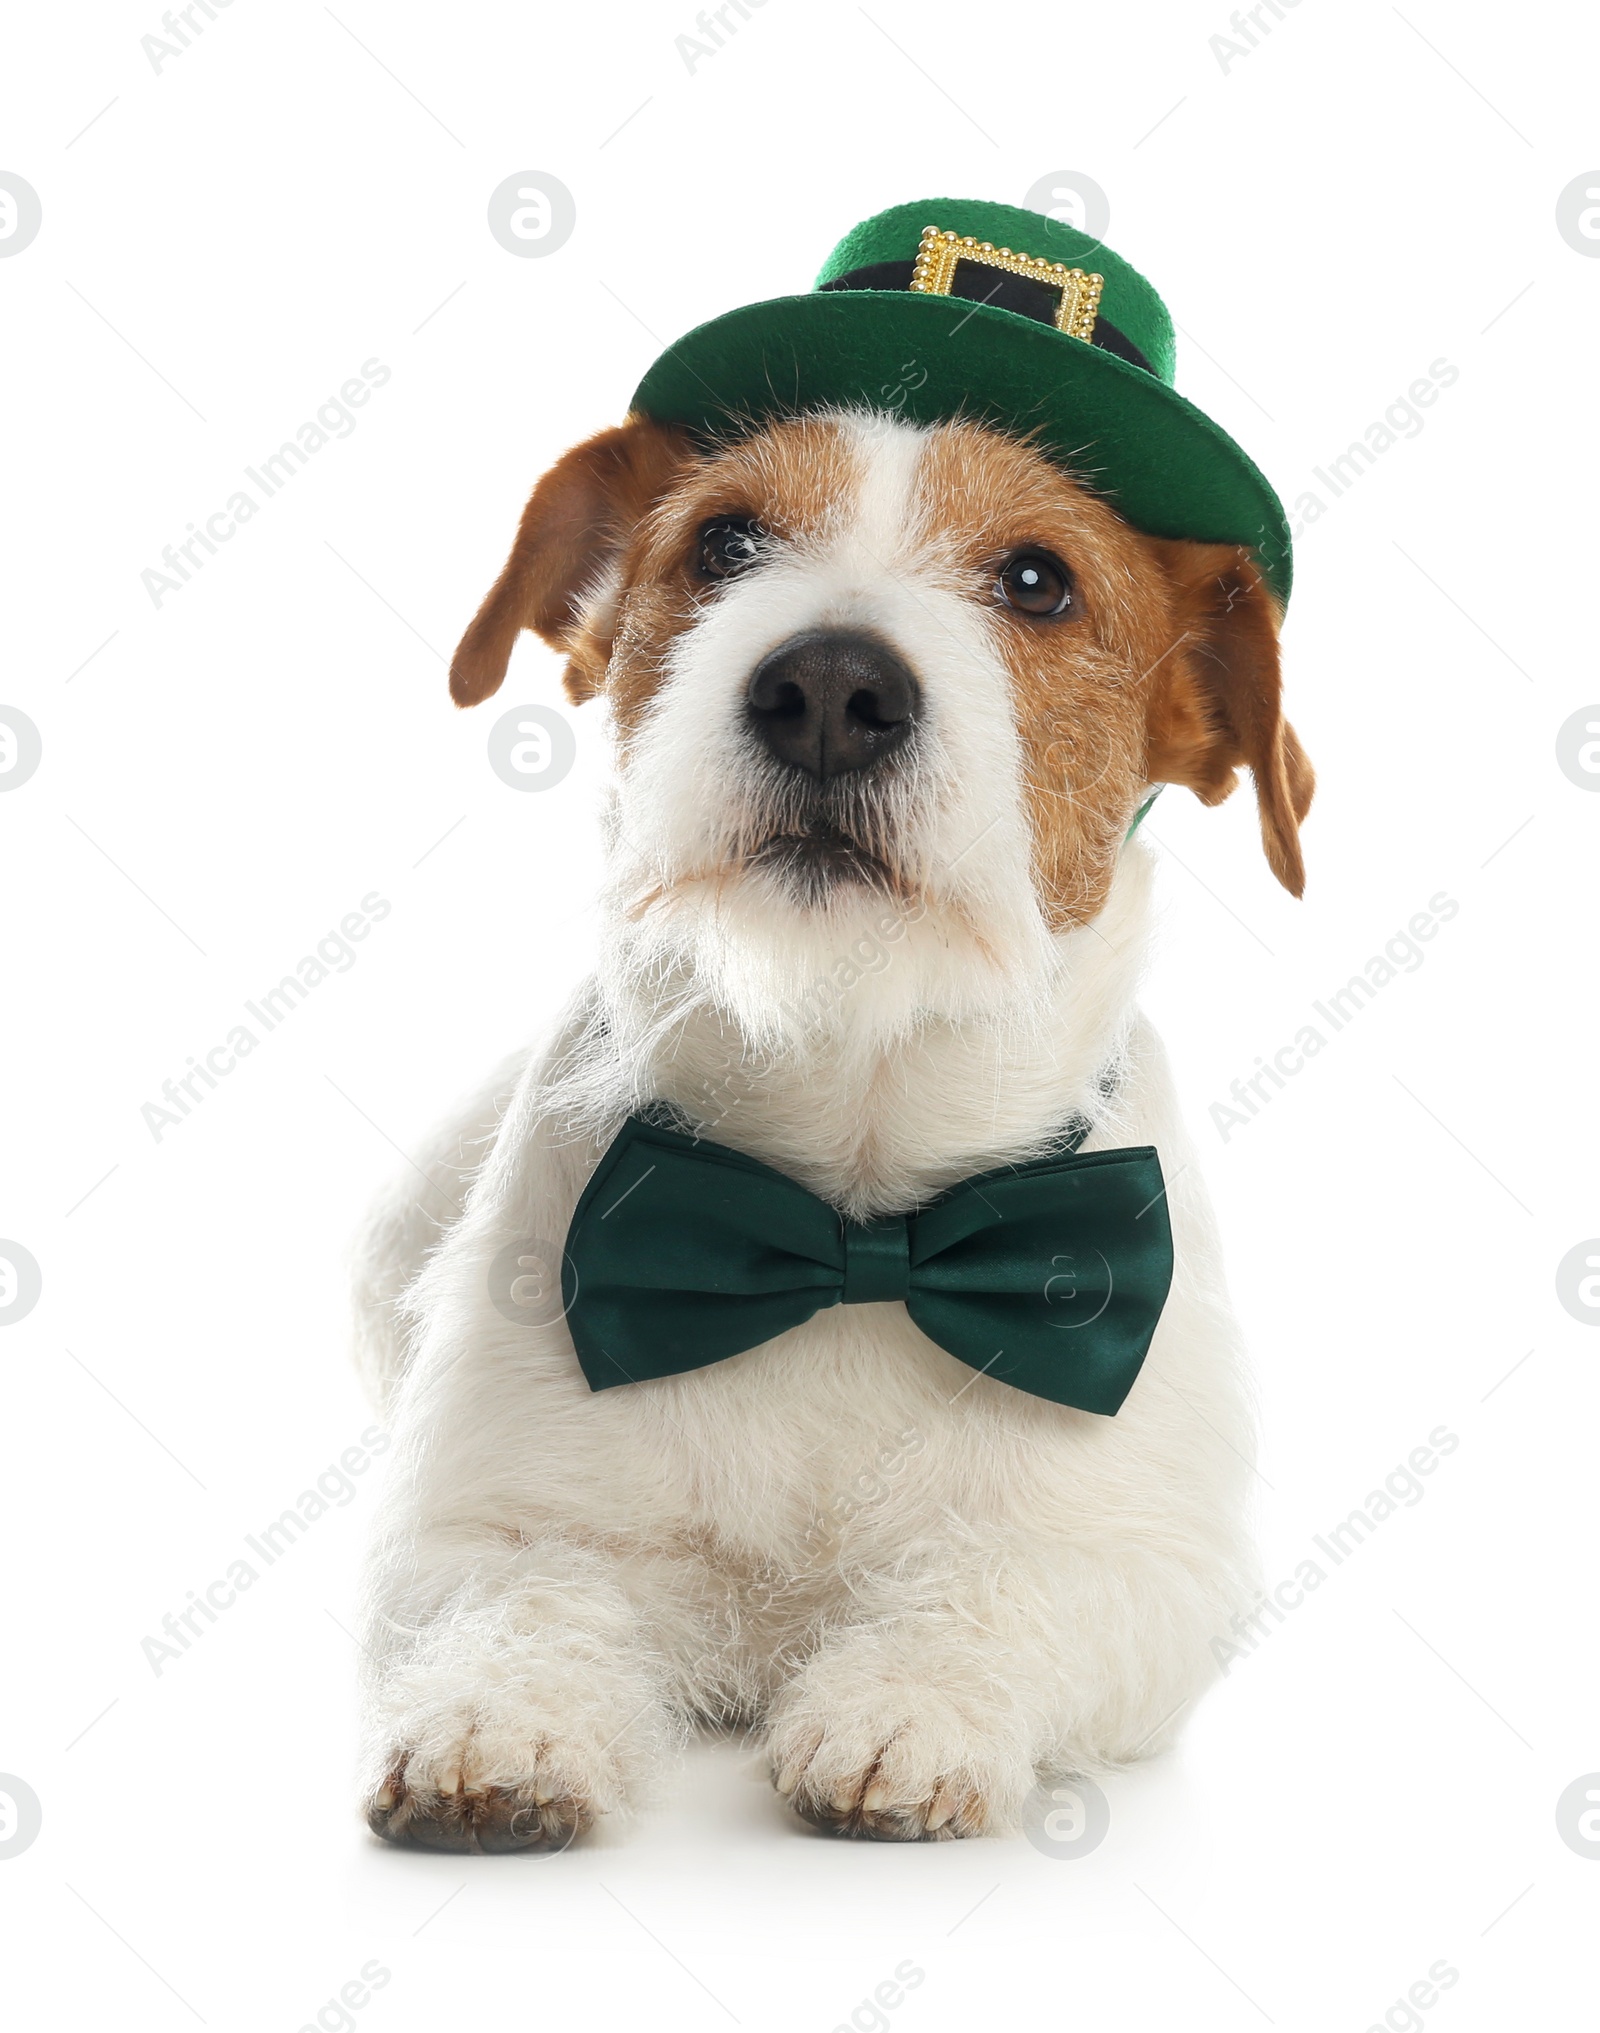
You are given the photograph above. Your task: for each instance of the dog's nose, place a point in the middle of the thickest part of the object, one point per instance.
(832, 700)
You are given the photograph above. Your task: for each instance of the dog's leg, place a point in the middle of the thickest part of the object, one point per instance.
(930, 1713)
(513, 1695)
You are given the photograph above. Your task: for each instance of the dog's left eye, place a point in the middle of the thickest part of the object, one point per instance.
(1035, 582)
(727, 544)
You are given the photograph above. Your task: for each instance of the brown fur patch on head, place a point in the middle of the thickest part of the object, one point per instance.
(794, 478)
(1076, 679)
(1164, 669)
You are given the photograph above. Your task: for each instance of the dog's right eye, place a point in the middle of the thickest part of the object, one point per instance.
(727, 544)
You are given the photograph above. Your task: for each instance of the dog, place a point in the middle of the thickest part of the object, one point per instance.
(886, 696)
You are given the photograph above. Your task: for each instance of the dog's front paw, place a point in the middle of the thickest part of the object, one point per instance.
(897, 1759)
(523, 1795)
(518, 1759)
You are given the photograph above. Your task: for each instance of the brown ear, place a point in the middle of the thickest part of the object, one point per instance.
(1217, 698)
(574, 528)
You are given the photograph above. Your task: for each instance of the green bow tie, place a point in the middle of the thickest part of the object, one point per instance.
(1049, 1276)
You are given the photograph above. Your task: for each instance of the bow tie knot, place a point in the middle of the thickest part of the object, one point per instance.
(877, 1260)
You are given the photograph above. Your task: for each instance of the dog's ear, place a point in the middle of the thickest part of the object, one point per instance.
(1216, 697)
(576, 524)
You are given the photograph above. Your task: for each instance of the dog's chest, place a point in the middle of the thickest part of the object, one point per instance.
(883, 1126)
(850, 1430)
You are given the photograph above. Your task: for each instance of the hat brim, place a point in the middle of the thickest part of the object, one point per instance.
(1160, 462)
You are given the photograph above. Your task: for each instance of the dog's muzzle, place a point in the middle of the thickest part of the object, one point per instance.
(832, 701)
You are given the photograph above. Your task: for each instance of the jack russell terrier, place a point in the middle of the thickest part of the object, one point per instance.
(828, 1331)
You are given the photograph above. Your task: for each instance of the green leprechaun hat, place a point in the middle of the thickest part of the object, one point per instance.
(953, 307)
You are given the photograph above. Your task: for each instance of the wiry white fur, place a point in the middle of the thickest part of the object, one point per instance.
(926, 1585)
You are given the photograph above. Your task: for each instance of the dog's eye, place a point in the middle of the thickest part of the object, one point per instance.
(727, 544)
(1036, 582)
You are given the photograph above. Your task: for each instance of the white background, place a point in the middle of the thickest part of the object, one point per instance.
(225, 776)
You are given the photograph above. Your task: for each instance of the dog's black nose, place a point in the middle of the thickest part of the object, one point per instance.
(832, 701)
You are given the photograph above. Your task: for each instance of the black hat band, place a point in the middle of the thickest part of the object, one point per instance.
(1022, 294)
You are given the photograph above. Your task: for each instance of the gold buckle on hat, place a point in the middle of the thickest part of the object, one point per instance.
(938, 253)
